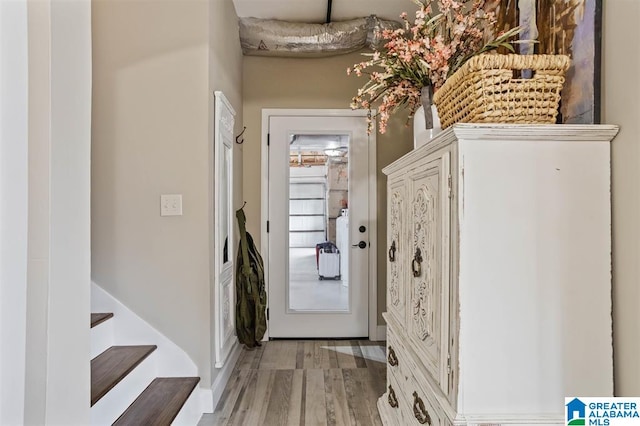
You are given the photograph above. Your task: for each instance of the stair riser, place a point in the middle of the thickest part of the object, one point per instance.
(127, 328)
(110, 406)
(102, 337)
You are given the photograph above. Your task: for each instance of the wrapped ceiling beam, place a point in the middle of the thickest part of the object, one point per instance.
(268, 37)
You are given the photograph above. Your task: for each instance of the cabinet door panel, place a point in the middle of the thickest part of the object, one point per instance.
(428, 265)
(396, 246)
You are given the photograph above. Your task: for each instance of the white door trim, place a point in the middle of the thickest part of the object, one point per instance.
(267, 113)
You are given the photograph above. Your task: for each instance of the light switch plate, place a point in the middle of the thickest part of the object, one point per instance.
(171, 205)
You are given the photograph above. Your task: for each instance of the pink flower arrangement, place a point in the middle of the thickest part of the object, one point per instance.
(425, 53)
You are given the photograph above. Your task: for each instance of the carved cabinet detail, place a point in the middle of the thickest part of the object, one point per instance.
(396, 250)
(428, 279)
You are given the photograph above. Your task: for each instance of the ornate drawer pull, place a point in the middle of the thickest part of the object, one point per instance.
(421, 414)
(416, 263)
(392, 252)
(391, 357)
(393, 401)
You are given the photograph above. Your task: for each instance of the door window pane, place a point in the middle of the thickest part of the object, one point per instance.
(318, 223)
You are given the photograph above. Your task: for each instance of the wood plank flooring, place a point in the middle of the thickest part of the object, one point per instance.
(304, 383)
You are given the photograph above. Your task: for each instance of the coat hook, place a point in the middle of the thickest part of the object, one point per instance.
(238, 137)
(243, 204)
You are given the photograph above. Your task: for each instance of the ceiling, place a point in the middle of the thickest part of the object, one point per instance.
(315, 11)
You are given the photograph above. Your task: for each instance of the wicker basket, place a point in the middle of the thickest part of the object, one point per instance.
(484, 90)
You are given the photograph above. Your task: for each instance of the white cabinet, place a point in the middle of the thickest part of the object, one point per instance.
(498, 275)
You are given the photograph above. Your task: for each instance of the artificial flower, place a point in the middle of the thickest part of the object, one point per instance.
(444, 35)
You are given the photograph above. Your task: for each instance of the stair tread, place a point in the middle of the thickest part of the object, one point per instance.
(97, 318)
(160, 402)
(112, 365)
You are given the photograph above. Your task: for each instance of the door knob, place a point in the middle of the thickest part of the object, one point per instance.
(361, 244)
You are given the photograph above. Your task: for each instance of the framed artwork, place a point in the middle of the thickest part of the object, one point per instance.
(570, 27)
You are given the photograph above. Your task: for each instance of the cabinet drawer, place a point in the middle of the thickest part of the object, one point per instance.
(420, 408)
(403, 378)
(395, 356)
(395, 405)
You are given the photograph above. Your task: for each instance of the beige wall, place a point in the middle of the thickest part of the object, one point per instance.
(154, 74)
(621, 105)
(225, 73)
(310, 83)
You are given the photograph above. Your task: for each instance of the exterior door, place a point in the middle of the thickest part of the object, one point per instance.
(319, 226)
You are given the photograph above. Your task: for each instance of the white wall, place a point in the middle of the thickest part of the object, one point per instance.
(68, 373)
(45, 113)
(620, 105)
(39, 213)
(13, 209)
(58, 376)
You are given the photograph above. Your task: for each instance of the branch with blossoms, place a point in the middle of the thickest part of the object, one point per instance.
(424, 53)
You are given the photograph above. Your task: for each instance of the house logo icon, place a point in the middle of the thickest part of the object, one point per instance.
(576, 412)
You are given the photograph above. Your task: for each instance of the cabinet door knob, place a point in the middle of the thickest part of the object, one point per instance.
(392, 252)
(419, 411)
(416, 263)
(393, 400)
(392, 359)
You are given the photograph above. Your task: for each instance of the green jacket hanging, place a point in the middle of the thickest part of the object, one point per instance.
(251, 296)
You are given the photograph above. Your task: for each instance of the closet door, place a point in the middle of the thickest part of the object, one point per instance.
(428, 263)
(396, 248)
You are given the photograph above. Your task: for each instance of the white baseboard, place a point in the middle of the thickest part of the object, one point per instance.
(223, 375)
(510, 419)
(199, 402)
(205, 396)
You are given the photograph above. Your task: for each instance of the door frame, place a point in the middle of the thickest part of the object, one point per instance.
(267, 113)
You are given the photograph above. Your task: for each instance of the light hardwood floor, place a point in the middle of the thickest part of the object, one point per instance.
(304, 383)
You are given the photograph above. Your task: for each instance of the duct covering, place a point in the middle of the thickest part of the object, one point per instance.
(269, 37)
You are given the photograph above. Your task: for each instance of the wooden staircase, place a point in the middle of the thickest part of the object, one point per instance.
(158, 404)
